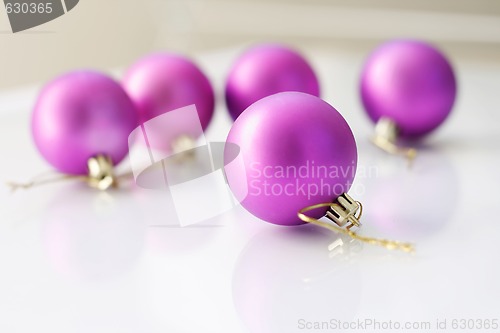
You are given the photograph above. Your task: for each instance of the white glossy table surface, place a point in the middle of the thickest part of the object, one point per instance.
(76, 260)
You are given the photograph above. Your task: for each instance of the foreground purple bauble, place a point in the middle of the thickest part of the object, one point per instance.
(411, 83)
(296, 151)
(163, 82)
(80, 115)
(266, 70)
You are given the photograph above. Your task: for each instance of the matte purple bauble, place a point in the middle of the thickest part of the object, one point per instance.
(80, 115)
(164, 82)
(265, 70)
(297, 150)
(411, 83)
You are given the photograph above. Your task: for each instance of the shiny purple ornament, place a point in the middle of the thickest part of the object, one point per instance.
(163, 82)
(411, 83)
(81, 115)
(265, 70)
(297, 151)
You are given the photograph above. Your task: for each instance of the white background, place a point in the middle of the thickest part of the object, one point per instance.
(76, 260)
(115, 33)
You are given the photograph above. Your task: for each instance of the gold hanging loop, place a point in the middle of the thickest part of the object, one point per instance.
(386, 134)
(100, 176)
(345, 214)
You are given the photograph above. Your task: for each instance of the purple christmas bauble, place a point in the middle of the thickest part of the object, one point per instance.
(163, 82)
(411, 83)
(296, 150)
(80, 115)
(266, 70)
